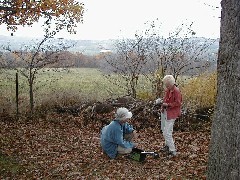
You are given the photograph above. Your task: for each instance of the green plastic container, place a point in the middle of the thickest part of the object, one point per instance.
(137, 155)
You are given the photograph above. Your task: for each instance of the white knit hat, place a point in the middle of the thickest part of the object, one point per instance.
(123, 113)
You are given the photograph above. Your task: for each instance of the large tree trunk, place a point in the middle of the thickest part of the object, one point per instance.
(224, 152)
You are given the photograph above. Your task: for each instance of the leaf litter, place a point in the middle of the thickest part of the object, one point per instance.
(69, 149)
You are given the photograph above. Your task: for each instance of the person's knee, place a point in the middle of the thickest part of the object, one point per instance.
(125, 151)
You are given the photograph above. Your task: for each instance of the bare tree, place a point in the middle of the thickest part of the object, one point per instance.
(224, 156)
(181, 52)
(153, 56)
(128, 61)
(35, 57)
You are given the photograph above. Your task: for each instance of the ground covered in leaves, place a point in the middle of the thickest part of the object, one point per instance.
(65, 148)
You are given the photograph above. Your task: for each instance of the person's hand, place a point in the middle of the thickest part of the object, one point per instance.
(135, 135)
(135, 145)
(165, 104)
(158, 101)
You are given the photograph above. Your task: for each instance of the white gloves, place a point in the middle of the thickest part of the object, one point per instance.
(158, 101)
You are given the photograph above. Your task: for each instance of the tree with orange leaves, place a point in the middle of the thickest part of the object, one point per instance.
(65, 14)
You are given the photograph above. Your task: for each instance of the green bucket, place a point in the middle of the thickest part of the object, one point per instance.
(137, 155)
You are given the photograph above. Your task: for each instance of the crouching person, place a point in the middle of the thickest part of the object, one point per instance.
(117, 137)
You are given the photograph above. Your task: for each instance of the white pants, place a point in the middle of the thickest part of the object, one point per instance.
(167, 129)
(122, 150)
(163, 119)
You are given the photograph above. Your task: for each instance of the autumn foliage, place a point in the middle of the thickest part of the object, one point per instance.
(65, 13)
(201, 91)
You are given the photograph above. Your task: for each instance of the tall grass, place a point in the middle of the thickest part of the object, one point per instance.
(201, 91)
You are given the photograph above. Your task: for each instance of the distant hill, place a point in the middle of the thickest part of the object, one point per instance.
(91, 47)
(88, 47)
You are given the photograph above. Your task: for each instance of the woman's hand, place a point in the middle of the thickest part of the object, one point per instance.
(165, 105)
(135, 145)
(135, 135)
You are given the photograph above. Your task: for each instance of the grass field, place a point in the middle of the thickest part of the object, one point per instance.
(77, 85)
(61, 87)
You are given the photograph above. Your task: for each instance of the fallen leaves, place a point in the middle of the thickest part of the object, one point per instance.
(67, 149)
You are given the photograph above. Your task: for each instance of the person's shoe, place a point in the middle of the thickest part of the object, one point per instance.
(165, 149)
(172, 153)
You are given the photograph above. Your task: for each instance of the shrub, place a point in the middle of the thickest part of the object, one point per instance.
(200, 92)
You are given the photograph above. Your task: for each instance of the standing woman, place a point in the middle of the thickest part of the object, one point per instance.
(171, 110)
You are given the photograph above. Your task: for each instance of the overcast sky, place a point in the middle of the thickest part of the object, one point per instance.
(110, 19)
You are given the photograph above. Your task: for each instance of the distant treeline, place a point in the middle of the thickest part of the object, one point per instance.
(65, 59)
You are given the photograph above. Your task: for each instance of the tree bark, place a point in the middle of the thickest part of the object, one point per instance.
(224, 152)
(31, 100)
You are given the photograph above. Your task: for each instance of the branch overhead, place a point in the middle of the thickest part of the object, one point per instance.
(65, 13)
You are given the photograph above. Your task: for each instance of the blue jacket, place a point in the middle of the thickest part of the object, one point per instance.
(112, 136)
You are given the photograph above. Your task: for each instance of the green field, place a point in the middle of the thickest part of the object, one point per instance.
(77, 85)
(63, 87)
